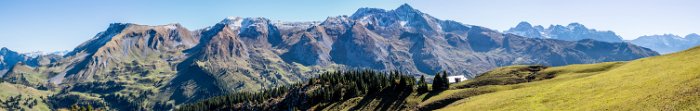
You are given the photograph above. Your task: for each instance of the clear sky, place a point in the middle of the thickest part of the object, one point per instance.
(52, 25)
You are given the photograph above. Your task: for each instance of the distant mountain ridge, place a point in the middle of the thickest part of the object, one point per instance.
(9, 58)
(571, 32)
(668, 43)
(171, 63)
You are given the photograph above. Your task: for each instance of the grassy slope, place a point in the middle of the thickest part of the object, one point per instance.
(668, 82)
(7, 89)
(504, 75)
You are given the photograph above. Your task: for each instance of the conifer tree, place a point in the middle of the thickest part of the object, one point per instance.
(422, 85)
(437, 82)
(446, 84)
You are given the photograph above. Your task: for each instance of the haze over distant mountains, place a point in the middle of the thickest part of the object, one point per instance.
(171, 62)
(571, 32)
(666, 43)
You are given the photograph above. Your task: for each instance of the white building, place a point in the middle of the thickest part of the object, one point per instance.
(455, 79)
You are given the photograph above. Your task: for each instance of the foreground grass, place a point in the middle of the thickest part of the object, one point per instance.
(668, 82)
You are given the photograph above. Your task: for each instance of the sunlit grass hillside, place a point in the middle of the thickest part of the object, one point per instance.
(668, 82)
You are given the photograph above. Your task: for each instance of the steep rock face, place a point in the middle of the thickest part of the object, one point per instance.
(9, 58)
(309, 50)
(126, 45)
(668, 43)
(234, 55)
(571, 32)
(311, 45)
(360, 48)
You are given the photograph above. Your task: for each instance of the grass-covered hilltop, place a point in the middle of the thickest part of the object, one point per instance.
(667, 82)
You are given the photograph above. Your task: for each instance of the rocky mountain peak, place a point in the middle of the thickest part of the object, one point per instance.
(232, 19)
(246, 24)
(693, 36)
(344, 20)
(525, 29)
(523, 25)
(576, 25)
(571, 32)
(362, 12)
(405, 8)
(403, 12)
(4, 49)
(242, 20)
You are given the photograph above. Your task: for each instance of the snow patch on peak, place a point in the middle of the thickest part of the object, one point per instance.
(40, 53)
(363, 12)
(291, 25)
(403, 23)
(35, 54)
(232, 20)
(171, 26)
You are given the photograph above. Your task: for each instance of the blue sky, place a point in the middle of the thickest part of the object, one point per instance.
(52, 25)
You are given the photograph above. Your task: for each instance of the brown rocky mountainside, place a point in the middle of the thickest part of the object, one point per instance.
(242, 54)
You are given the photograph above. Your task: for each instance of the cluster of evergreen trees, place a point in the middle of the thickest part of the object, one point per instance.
(16, 102)
(75, 107)
(98, 87)
(327, 87)
(440, 82)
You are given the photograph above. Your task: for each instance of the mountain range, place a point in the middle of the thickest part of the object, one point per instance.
(571, 32)
(666, 43)
(170, 64)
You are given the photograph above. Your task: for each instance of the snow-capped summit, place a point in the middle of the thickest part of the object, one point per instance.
(232, 20)
(35, 53)
(526, 29)
(362, 12)
(404, 17)
(576, 25)
(244, 25)
(571, 32)
(668, 43)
